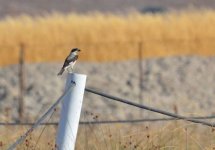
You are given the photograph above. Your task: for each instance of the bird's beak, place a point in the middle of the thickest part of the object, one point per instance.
(79, 50)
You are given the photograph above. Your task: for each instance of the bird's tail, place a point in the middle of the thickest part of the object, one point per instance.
(61, 72)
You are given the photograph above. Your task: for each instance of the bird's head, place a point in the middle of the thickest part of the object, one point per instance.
(75, 50)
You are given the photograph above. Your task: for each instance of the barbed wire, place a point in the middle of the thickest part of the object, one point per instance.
(39, 121)
(107, 121)
(149, 108)
(174, 116)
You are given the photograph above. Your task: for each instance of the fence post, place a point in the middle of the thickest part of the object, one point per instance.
(140, 54)
(21, 82)
(70, 112)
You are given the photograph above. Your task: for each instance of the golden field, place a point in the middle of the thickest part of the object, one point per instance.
(107, 37)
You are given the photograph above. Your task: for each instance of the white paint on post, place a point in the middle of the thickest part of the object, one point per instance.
(70, 112)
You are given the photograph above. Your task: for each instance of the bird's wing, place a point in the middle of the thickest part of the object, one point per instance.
(70, 59)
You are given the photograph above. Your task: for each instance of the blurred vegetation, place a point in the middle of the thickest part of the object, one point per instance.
(107, 37)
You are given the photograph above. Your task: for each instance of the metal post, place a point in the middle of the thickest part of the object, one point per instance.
(140, 74)
(70, 112)
(21, 82)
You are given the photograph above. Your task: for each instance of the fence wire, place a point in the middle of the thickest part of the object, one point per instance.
(39, 121)
(174, 116)
(108, 121)
(149, 108)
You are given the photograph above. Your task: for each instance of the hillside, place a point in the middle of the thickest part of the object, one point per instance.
(181, 82)
(39, 7)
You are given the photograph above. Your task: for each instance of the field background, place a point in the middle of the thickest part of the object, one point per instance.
(106, 37)
(111, 31)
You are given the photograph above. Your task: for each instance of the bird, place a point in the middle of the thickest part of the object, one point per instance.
(70, 61)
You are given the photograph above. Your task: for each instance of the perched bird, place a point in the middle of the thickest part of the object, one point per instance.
(70, 61)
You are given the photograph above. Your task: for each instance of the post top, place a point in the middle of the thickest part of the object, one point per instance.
(76, 74)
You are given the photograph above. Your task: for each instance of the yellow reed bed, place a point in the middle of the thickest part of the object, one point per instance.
(107, 37)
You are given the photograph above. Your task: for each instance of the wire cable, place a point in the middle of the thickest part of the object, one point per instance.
(107, 121)
(22, 138)
(175, 116)
(148, 108)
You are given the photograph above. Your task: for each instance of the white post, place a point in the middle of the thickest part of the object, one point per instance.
(70, 112)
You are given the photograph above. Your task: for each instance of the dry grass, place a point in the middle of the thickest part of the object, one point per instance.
(175, 135)
(107, 37)
(139, 136)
